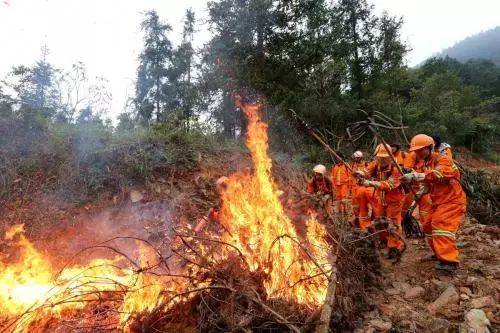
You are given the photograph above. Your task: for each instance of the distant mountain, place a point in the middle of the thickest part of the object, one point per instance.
(484, 45)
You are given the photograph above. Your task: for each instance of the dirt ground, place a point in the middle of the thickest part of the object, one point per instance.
(414, 297)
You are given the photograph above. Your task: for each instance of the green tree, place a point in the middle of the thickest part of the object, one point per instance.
(183, 67)
(153, 86)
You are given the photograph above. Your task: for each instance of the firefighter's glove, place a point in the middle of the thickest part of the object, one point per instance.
(359, 174)
(412, 177)
(370, 183)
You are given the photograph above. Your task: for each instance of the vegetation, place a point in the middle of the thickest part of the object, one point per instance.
(322, 59)
(484, 45)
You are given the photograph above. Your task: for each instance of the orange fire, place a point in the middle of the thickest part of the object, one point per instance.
(33, 291)
(259, 227)
(30, 289)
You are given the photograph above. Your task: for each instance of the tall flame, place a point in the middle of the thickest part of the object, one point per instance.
(31, 290)
(259, 227)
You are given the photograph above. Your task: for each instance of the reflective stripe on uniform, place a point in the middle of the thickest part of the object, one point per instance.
(438, 174)
(423, 212)
(443, 233)
(364, 218)
(428, 235)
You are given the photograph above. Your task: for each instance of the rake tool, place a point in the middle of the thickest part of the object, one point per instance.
(373, 122)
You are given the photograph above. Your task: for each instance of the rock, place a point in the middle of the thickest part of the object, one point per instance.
(441, 285)
(381, 325)
(414, 292)
(372, 314)
(392, 291)
(464, 297)
(438, 325)
(402, 286)
(136, 196)
(481, 302)
(449, 296)
(466, 291)
(468, 231)
(388, 309)
(476, 322)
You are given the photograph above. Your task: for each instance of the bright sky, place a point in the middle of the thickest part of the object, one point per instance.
(105, 34)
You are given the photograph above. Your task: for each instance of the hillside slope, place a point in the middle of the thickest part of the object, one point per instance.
(484, 45)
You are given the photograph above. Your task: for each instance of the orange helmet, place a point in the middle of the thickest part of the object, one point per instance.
(380, 151)
(420, 141)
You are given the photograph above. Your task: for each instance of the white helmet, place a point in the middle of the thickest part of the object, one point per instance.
(357, 154)
(320, 168)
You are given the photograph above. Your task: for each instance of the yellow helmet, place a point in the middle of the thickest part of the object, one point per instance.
(380, 151)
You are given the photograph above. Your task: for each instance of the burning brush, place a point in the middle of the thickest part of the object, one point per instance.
(244, 278)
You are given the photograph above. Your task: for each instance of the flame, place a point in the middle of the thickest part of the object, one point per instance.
(260, 229)
(31, 290)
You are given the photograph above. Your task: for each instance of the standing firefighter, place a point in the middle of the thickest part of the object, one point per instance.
(388, 197)
(399, 155)
(448, 199)
(442, 147)
(358, 165)
(340, 178)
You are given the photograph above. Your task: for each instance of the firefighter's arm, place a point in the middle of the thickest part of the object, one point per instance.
(385, 185)
(370, 169)
(310, 186)
(443, 170)
(410, 161)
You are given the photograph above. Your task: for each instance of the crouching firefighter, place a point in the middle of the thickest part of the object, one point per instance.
(441, 175)
(387, 198)
(321, 187)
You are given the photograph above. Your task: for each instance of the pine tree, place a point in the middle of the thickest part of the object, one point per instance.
(152, 74)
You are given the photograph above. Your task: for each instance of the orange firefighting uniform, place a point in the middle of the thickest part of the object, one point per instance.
(400, 157)
(365, 198)
(424, 203)
(444, 149)
(386, 200)
(355, 187)
(324, 186)
(448, 205)
(340, 178)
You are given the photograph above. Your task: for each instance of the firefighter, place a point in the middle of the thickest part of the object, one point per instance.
(399, 155)
(213, 212)
(442, 147)
(340, 179)
(321, 187)
(448, 199)
(387, 198)
(358, 165)
(417, 192)
(319, 183)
